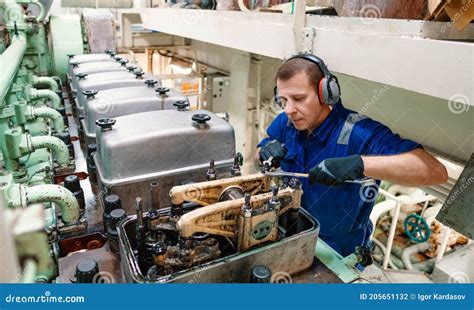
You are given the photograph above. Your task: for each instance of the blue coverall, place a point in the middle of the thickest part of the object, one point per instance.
(343, 212)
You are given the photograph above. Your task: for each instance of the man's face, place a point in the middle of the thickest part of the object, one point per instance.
(300, 101)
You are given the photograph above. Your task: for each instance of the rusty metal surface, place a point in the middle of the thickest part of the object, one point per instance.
(397, 9)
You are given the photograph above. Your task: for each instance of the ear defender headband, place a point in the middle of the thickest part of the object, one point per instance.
(328, 88)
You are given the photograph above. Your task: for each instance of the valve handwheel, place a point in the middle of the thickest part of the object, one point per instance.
(417, 228)
(201, 118)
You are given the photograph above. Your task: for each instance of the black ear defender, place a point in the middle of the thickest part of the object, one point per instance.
(328, 88)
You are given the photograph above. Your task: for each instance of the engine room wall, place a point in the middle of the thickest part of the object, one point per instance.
(450, 136)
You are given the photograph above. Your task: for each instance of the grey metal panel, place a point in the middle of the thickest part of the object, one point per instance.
(109, 80)
(95, 67)
(90, 58)
(159, 146)
(455, 267)
(159, 141)
(124, 101)
(457, 211)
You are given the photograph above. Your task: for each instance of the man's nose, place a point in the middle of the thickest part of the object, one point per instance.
(290, 108)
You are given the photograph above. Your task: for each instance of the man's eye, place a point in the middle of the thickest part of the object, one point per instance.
(300, 98)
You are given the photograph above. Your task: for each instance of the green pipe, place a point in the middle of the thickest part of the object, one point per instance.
(45, 80)
(47, 94)
(9, 62)
(4, 126)
(52, 115)
(58, 147)
(48, 193)
(12, 57)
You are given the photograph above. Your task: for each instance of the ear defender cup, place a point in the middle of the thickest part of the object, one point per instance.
(329, 90)
(321, 90)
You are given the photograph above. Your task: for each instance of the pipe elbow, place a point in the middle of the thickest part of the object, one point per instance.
(56, 194)
(58, 147)
(407, 252)
(46, 80)
(53, 115)
(51, 95)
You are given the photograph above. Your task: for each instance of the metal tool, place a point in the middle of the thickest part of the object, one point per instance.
(281, 173)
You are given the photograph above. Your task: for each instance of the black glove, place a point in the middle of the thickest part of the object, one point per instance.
(334, 171)
(273, 149)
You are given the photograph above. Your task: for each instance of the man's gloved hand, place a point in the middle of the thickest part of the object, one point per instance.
(334, 171)
(275, 150)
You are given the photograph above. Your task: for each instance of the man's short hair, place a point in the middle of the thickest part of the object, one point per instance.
(294, 66)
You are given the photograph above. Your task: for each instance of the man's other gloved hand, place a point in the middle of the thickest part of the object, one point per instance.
(334, 171)
(275, 150)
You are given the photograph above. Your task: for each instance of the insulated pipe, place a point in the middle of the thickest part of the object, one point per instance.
(10, 61)
(407, 252)
(51, 114)
(48, 193)
(384, 251)
(58, 147)
(47, 94)
(46, 80)
(12, 57)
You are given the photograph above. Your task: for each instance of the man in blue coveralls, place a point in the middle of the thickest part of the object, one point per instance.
(317, 135)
